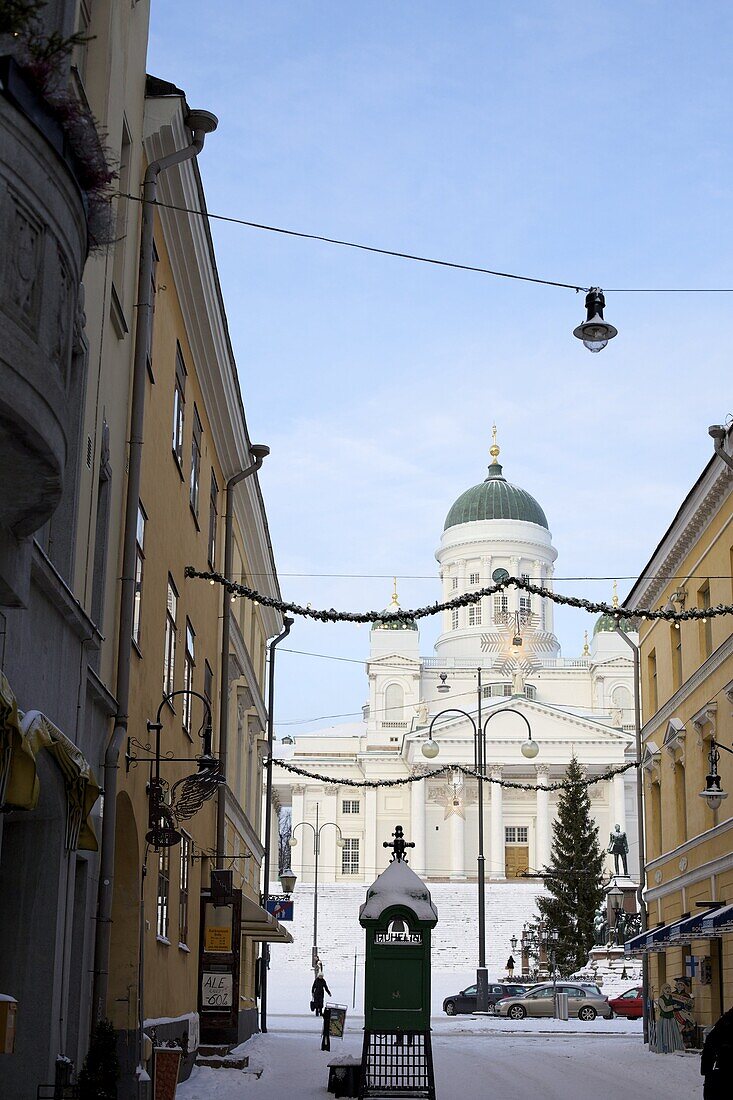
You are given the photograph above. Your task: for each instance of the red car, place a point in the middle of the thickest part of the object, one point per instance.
(629, 1004)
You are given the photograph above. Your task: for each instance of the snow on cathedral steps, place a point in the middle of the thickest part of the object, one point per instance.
(508, 906)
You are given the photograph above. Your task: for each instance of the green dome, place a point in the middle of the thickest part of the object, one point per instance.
(606, 624)
(495, 498)
(394, 624)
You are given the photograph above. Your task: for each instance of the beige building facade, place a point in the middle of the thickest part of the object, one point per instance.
(687, 700)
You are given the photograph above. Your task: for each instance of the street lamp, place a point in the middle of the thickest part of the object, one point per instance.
(287, 881)
(616, 900)
(317, 830)
(714, 793)
(430, 749)
(595, 332)
(513, 941)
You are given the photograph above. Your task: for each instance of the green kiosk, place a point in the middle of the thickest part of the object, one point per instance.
(398, 916)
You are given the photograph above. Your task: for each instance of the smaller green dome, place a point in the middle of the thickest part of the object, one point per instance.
(606, 624)
(394, 624)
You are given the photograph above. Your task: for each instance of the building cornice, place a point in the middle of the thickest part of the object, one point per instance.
(190, 248)
(692, 520)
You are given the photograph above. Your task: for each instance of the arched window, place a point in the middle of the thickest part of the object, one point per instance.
(394, 704)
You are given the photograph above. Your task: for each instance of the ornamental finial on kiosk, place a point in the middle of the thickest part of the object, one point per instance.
(398, 845)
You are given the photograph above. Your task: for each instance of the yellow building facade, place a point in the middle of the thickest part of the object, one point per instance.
(687, 700)
(195, 439)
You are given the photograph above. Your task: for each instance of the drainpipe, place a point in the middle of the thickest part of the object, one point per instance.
(640, 827)
(259, 453)
(287, 624)
(201, 123)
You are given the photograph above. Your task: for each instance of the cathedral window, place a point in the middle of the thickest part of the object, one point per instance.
(516, 834)
(455, 582)
(350, 856)
(474, 578)
(394, 704)
(350, 806)
(501, 609)
(454, 619)
(474, 614)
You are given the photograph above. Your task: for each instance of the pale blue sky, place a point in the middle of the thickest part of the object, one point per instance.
(584, 142)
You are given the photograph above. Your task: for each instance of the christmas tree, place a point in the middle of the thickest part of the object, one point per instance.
(101, 1070)
(575, 881)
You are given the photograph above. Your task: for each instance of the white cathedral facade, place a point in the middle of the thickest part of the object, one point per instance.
(581, 705)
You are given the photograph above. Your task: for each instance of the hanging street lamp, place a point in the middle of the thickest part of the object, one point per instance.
(595, 332)
(714, 793)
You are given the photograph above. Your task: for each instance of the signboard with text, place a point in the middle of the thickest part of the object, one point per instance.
(216, 990)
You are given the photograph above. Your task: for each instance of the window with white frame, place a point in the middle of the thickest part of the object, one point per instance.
(394, 703)
(491, 691)
(516, 834)
(474, 578)
(194, 486)
(455, 582)
(454, 619)
(183, 888)
(350, 806)
(525, 601)
(474, 614)
(501, 608)
(139, 565)
(189, 662)
(350, 856)
(169, 655)
(213, 519)
(179, 405)
(162, 904)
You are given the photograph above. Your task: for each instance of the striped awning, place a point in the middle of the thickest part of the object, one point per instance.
(22, 738)
(718, 923)
(691, 928)
(636, 944)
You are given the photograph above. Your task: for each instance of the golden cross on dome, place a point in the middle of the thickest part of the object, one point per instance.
(494, 449)
(586, 651)
(614, 601)
(395, 601)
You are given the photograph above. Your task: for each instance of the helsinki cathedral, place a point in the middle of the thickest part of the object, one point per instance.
(500, 654)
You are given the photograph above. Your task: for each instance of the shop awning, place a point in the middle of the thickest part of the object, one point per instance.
(260, 925)
(718, 923)
(22, 737)
(691, 928)
(636, 944)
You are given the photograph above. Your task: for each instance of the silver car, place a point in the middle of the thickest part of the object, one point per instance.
(539, 1001)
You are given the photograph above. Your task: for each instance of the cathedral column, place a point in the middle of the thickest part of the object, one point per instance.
(543, 818)
(298, 815)
(457, 850)
(418, 857)
(329, 860)
(619, 802)
(370, 834)
(497, 868)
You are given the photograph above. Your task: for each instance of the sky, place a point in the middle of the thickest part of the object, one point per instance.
(584, 143)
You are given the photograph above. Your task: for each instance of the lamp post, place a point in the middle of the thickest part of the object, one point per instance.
(317, 830)
(430, 749)
(714, 793)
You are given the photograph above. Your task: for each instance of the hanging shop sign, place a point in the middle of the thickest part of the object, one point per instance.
(281, 908)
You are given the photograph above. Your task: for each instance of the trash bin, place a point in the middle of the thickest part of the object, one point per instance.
(561, 1012)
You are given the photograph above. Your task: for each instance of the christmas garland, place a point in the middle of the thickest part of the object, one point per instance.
(403, 616)
(338, 781)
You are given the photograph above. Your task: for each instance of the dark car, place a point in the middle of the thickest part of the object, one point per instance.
(629, 1004)
(465, 1001)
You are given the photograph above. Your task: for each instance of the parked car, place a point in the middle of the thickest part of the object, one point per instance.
(629, 1004)
(465, 1001)
(539, 1001)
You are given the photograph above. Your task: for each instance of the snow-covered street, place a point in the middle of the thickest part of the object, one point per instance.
(474, 1058)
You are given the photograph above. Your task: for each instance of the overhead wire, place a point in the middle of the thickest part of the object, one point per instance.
(415, 257)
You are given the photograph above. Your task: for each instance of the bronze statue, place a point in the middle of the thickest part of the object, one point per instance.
(618, 846)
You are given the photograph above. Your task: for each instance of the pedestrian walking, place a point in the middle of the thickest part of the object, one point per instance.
(716, 1063)
(318, 991)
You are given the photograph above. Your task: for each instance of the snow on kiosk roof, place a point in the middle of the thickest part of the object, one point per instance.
(398, 885)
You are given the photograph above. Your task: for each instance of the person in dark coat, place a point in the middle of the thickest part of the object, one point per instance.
(716, 1063)
(317, 994)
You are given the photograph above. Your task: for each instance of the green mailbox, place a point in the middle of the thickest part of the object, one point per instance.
(398, 916)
